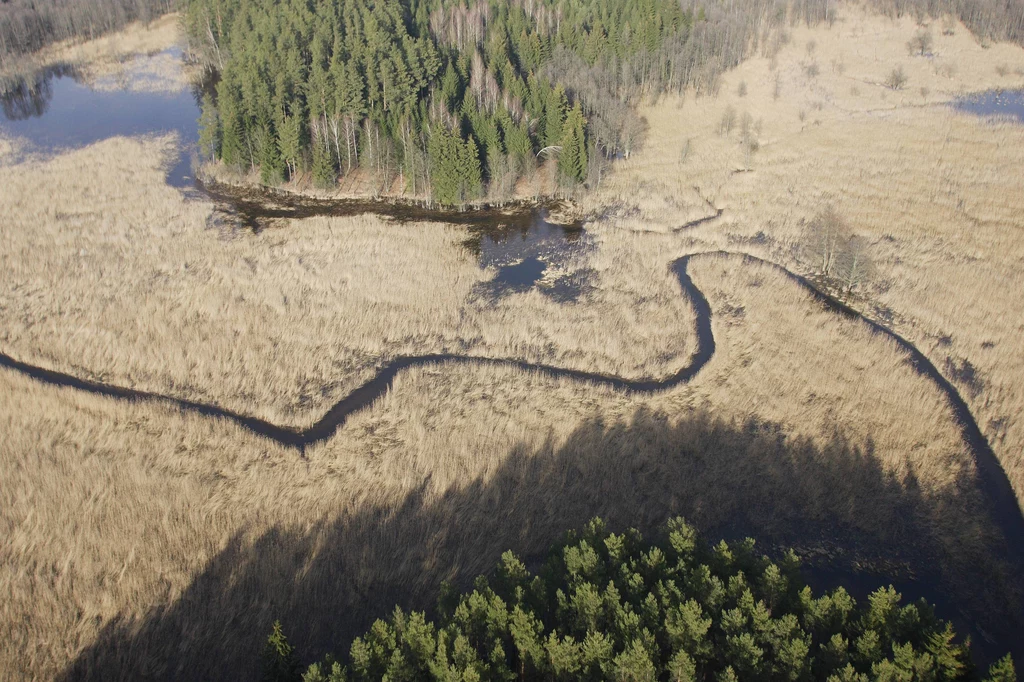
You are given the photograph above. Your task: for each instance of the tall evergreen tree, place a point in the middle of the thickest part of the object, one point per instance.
(268, 153)
(554, 116)
(233, 148)
(325, 174)
(290, 143)
(443, 161)
(572, 161)
(209, 129)
(280, 664)
(470, 177)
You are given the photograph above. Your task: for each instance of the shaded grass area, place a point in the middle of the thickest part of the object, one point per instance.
(328, 580)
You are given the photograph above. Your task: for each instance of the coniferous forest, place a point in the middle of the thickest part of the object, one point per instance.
(607, 606)
(454, 101)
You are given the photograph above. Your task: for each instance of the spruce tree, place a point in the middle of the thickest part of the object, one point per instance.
(290, 143)
(444, 178)
(232, 149)
(572, 162)
(470, 177)
(554, 116)
(325, 174)
(280, 663)
(268, 153)
(209, 130)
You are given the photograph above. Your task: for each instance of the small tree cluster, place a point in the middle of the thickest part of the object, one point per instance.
(607, 606)
(835, 252)
(456, 167)
(921, 43)
(896, 79)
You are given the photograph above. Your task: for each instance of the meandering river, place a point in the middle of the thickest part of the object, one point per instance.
(56, 112)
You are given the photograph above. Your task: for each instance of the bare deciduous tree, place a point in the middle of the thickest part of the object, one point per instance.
(27, 25)
(921, 43)
(835, 252)
(728, 121)
(896, 79)
(1002, 20)
(853, 267)
(824, 239)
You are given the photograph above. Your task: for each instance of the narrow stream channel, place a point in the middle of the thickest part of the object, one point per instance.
(56, 112)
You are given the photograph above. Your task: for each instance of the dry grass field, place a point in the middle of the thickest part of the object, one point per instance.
(138, 541)
(937, 194)
(118, 277)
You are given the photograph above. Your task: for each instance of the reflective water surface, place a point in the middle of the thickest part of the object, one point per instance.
(55, 111)
(995, 103)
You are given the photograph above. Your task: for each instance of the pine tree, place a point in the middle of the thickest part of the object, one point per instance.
(614, 607)
(634, 664)
(280, 663)
(1002, 671)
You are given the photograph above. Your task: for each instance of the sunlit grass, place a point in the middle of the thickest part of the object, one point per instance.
(938, 194)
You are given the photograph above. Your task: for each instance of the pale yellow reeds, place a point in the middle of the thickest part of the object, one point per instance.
(114, 513)
(938, 194)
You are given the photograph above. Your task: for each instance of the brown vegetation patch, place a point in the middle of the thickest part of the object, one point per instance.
(141, 538)
(282, 324)
(934, 195)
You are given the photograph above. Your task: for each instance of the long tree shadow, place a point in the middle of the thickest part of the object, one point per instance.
(328, 581)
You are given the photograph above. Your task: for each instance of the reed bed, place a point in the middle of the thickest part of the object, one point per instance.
(936, 194)
(141, 539)
(137, 540)
(110, 274)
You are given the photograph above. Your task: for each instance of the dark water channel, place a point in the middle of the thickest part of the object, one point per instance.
(55, 112)
(1003, 104)
(518, 243)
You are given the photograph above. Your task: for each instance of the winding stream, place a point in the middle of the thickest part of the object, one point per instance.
(254, 208)
(992, 479)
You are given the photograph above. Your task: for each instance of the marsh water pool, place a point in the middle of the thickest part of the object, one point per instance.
(57, 111)
(999, 104)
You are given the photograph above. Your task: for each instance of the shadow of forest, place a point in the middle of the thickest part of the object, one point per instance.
(329, 580)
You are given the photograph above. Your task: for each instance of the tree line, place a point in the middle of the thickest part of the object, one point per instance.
(609, 606)
(995, 19)
(454, 99)
(28, 25)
